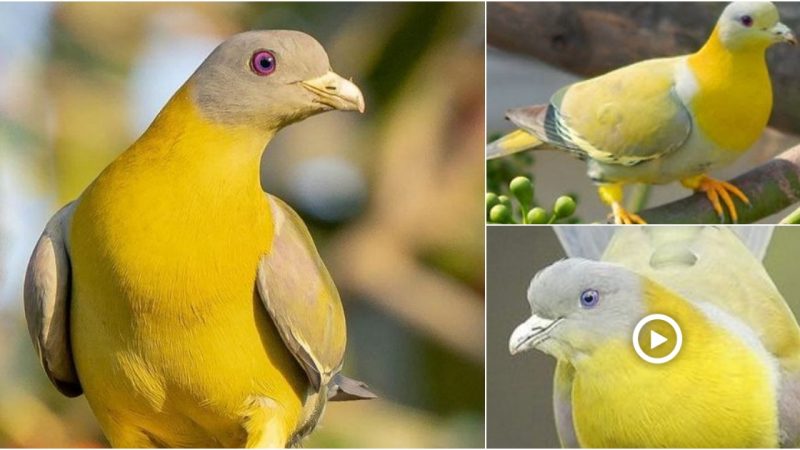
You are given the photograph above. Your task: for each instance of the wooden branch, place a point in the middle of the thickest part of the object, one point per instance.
(592, 38)
(770, 187)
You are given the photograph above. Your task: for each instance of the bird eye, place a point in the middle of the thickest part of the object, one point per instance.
(746, 21)
(263, 62)
(589, 298)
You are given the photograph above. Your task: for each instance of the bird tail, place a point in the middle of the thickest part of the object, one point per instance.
(514, 142)
(339, 388)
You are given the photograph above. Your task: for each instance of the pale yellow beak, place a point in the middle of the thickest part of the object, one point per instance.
(784, 33)
(530, 333)
(336, 92)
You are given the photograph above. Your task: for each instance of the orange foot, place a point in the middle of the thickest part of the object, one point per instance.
(611, 194)
(716, 190)
(623, 217)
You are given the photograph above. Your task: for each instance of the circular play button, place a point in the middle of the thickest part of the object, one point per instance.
(657, 338)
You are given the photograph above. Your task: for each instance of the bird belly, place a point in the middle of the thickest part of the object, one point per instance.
(171, 342)
(697, 156)
(182, 382)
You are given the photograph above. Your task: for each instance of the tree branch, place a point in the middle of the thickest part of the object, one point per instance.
(770, 187)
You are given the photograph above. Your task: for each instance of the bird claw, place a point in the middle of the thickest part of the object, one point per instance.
(623, 217)
(717, 190)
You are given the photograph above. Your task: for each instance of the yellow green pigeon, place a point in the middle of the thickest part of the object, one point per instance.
(734, 381)
(191, 308)
(665, 119)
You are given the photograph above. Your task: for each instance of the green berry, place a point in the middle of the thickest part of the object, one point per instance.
(522, 189)
(505, 201)
(564, 207)
(500, 214)
(537, 216)
(491, 200)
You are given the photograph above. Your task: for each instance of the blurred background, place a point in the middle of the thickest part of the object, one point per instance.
(519, 389)
(389, 196)
(535, 49)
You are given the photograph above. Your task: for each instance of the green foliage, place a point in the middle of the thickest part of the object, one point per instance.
(521, 206)
(511, 198)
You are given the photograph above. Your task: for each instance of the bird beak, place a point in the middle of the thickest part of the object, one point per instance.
(530, 333)
(336, 92)
(783, 34)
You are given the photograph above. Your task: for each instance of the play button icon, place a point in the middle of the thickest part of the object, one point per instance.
(657, 338)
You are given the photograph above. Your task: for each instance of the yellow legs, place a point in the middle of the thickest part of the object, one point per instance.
(611, 194)
(716, 190)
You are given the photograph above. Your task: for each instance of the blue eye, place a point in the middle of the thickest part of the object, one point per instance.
(589, 298)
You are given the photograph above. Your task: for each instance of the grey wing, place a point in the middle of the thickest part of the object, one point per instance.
(580, 241)
(591, 242)
(47, 303)
(562, 404)
(300, 296)
(755, 238)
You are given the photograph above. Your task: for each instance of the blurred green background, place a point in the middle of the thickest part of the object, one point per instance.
(519, 389)
(389, 196)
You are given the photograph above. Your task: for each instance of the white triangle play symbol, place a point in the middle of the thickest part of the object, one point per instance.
(656, 339)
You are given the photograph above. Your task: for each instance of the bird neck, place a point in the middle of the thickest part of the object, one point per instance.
(181, 135)
(191, 177)
(715, 53)
(733, 100)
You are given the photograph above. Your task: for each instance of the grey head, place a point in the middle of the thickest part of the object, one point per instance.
(576, 306)
(752, 25)
(269, 79)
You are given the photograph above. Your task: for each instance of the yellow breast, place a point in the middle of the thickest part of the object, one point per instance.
(716, 393)
(168, 333)
(734, 99)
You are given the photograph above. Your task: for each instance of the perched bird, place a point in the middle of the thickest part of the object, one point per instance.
(664, 119)
(734, 381)
(189, 306)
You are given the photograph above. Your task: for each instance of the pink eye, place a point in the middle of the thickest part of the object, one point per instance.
(263, 62)
(746, 21)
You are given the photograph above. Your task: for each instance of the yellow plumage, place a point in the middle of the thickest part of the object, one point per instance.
(138, 292)
(713, 364)
(732, 85)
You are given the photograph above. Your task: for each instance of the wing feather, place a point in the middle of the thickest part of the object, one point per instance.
(47, 303)
(625, 117)
(300, 296)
